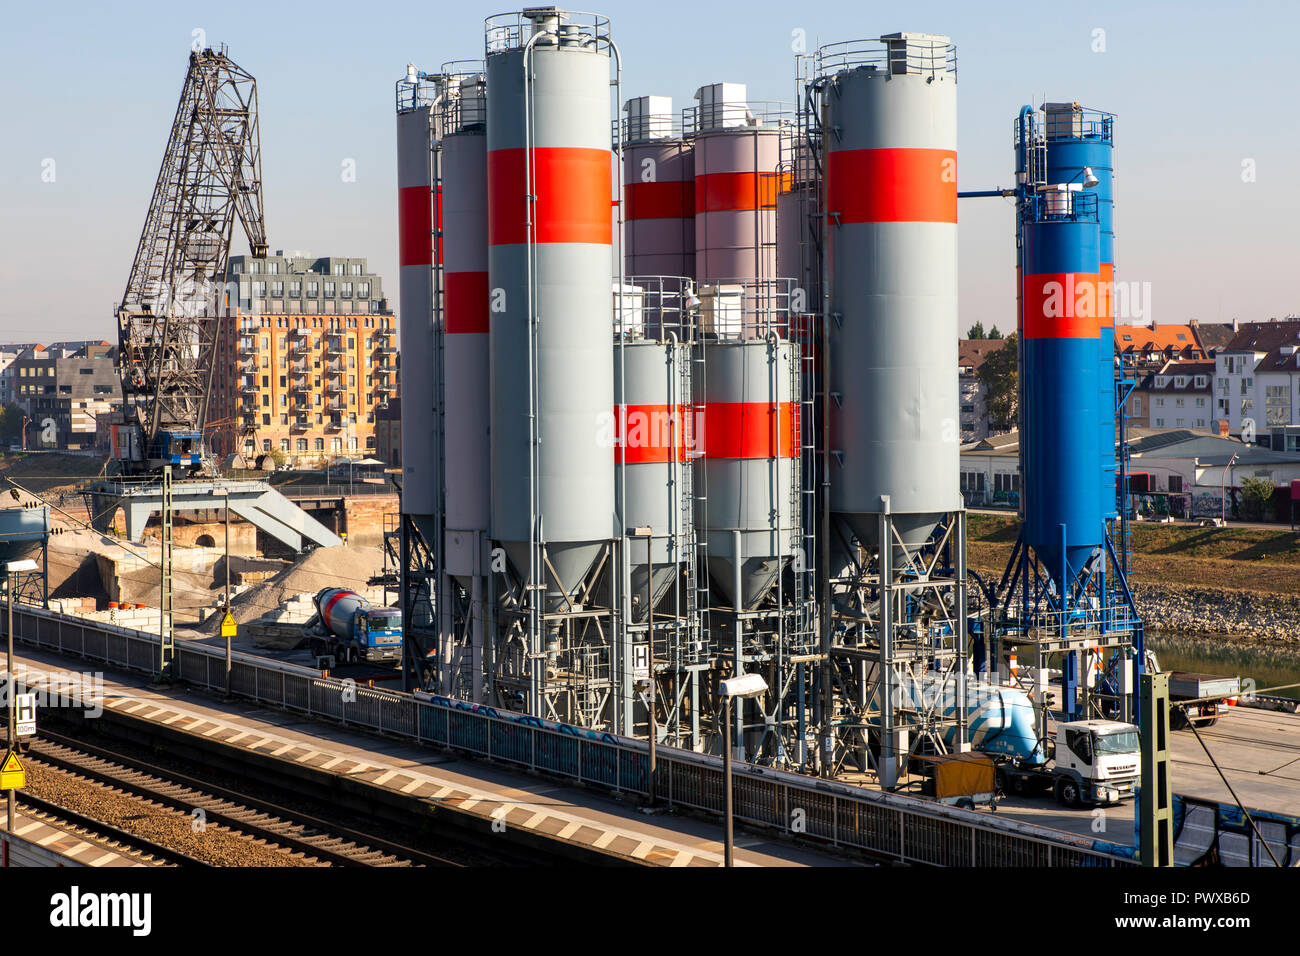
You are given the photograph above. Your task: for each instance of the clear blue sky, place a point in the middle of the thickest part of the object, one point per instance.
(1198, 87)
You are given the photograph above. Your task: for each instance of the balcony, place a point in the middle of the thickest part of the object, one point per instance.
(248, 346)
(334, 346)
(334, 386)
(300, 423)
(248, 389)
(334, 423)
(385, 387)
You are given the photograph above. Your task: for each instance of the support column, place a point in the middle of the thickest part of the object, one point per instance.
(1155, 802)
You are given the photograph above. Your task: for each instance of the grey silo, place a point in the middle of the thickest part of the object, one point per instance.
(749, 520)
(558, 381)
(893, 344)
(417, 291)
(466, 386)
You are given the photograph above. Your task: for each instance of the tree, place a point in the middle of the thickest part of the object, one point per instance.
(11, 424)
(995, 333)
(1000, 375)
(976, 331)
(1258, 493)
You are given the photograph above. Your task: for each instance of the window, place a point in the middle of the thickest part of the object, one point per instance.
(356, 268)
(363, 290)
(346, 290)
(277, 288)
(266, 420)
(1175, 484)
(254, 267)
(313, 289)
(319, 444)
(273, 268)
(329, 290)
(338, 268)
(295, 287)
(284, 444)
(266, 446)
(259, 289)
(1137, 408)
(301, 444)
(85, 371)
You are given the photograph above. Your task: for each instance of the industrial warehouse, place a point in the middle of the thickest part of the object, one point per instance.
(679, 561)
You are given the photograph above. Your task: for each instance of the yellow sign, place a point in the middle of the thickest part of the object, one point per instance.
(228, 625)
(12, 774)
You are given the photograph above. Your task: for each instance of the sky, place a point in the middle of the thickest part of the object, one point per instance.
(1207, 196)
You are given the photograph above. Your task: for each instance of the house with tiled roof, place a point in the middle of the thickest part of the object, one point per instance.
(971, 355)
(1148, 347)
(1178, 395)
(1256, 379)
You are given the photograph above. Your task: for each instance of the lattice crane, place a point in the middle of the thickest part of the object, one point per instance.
(170, 318)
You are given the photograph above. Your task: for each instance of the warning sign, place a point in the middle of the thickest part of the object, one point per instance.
(228, 627)
(12, 774)
(25, 714)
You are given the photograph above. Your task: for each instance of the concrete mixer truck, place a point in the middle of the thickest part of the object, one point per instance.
(349, 628)
(1086, 761)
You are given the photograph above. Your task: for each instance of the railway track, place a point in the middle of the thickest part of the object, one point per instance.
(297, 832)
(104, 834)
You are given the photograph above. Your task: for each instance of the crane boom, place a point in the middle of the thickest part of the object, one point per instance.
(170, 318)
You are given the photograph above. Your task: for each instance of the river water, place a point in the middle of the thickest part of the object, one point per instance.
(1219, 654)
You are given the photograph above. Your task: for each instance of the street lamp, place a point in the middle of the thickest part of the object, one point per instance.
(740, 686)
(12, 568)
(1223, 490)
(645, 689)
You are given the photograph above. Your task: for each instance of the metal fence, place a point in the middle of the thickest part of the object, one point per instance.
(890, 826)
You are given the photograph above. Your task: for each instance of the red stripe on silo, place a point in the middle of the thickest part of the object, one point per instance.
(1106, 295)
(893, 185)
(660, 200)
(1061, 305)
(650, 434)
(415, 226)
(750, 430)
(572, 186)
(728, 192)
(467, 301)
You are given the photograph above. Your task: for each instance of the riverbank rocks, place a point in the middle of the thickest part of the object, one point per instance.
(1251, 616)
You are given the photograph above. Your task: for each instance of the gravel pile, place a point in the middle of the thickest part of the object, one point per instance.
(162, 825)
(344, 567)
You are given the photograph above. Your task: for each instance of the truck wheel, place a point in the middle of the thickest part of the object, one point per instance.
(1067, 791)
(1020, 785)
(1178, 718)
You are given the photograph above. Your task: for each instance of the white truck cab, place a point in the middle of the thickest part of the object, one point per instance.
(1096, 761)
